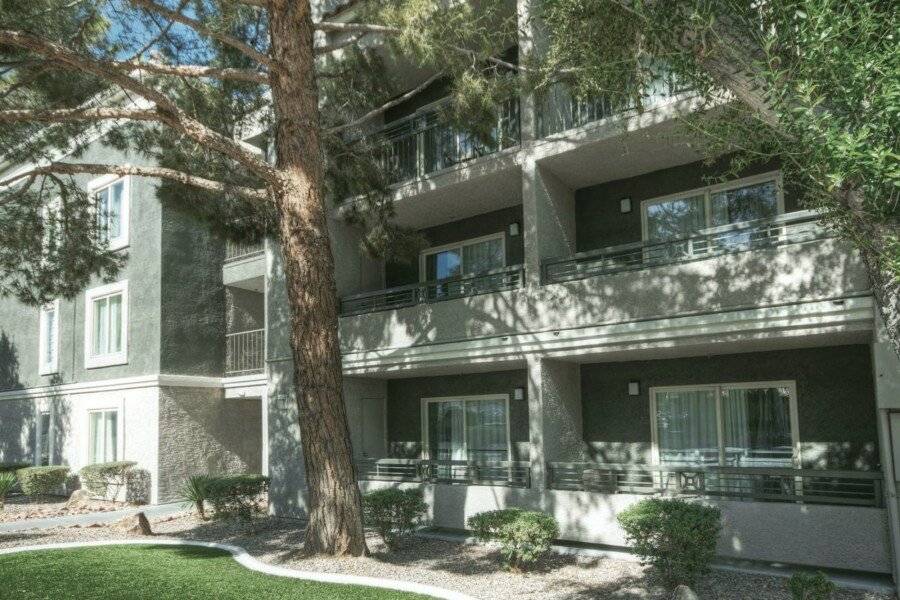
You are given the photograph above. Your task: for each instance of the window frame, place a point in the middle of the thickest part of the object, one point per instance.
(707, 192)
(99, 184)
(425, 402)
(423, 256)
(92, 361)
(119, 445)
(39, 440)
(44, 367)
(718, 388)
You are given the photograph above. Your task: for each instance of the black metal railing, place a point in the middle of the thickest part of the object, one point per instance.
(789, 228)
(236, 250)
(497, 280)
(497, 473)
(423, 143)
(810, 486)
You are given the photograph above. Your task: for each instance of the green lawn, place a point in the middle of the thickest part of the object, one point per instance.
(158, 573)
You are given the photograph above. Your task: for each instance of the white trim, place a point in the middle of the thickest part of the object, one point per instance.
(424, 402)
(101, 183)
(468, 242)
(120, 357)
(717, 388)
(243, 558)
(48, 368)
(112, 385)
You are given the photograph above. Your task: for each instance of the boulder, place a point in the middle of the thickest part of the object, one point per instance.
(79, 499)
(683, 592)
(136, 524)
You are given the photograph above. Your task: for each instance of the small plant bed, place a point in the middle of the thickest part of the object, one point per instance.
(159, 573)
(19, 507)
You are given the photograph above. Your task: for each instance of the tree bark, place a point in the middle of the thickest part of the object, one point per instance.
(335, 506)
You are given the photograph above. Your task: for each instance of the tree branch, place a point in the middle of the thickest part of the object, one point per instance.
(200, 28)
(256, 3)
(76, 114)
(156, 172)
(335, 27)
(386, 106)
(194, 71)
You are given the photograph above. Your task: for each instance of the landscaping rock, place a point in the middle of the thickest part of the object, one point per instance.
(136, 524)
(683, 592)
(79, 499)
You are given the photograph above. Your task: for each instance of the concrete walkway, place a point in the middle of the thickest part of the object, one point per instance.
(152, 512)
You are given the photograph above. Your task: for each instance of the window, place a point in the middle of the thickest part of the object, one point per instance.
(472, 428)
(465, 258)
(48, 345)
(111, 203)
(735, 425)
(103, 436)
(685, 215)
(106, 325)
(44, 439)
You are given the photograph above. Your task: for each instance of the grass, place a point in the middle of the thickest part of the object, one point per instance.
(159, 573)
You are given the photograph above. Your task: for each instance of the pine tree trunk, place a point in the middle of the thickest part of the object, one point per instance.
(335, 507)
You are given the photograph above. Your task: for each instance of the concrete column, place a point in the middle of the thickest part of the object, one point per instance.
(549, 218)
(886, 365)
(554, 413)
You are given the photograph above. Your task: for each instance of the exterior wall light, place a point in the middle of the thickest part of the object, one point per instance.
(634, 388)
(625, 205)
(513, 229)
(519, 393)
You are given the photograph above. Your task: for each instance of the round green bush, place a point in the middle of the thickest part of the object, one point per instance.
(524, 536)
(105, 480)
(677, 538)
(237, 495)
(486, 525)
(394, 513)
(42, 481)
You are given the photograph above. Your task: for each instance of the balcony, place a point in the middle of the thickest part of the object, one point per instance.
(498, 280)
(421, 144)
(807, 486)
(237, 250)
(790, 228)
(245, 353)
(505, 474)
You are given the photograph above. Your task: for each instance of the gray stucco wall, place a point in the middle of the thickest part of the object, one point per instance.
(600, 223)
(835, 401)
(17, 435)
(404, 407)
(464, 229)
(202, 432)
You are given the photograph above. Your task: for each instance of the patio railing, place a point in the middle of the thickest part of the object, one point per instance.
(423, 143)
(497, 473)
(790, 228)
(810, 486)
(498, 280)
(245, 352)
(236, 250)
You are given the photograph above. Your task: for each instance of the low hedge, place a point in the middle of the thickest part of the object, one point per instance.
(524, 536)
(42, 481)
(237, 495)
(394, 513)
(106, 480)
(13, 467)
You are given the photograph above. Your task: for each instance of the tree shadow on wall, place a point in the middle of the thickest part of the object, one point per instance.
(9, 364)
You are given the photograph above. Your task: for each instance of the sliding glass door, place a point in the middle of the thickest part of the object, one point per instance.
(472, 429)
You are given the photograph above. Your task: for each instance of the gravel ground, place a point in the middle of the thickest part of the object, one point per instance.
(472, 569)
(20, 507)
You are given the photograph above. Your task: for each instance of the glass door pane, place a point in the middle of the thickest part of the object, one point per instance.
(674, 220)
(686, 426)
(446, 439)
(483, 256)
(101, 326)
(757, 427)
(486, 439)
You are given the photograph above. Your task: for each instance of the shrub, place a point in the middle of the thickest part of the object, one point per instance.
(42, 481)
(13, 467)
(237, 495)
(137, 486)
(811, 586)
(196, 491)
(524, 536)
(394, 513)
(676, 537)
(7, 481)
(106, 480)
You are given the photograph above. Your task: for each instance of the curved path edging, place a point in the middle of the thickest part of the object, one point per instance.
(243, 558)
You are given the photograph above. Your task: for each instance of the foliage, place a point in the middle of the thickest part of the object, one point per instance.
(811, 586)
(237, 496)
(7, 481)
(106, 480)
(394, 513)
(678, 538)
(42, 481)
(196, 491)
(12, 467)
(524, 536)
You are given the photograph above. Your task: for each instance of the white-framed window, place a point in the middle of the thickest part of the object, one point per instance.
(685, 214)
(44, 439)
(733, 424)
(467, 428)
(106, 325)
(48, 345)
(103, 436)
(469, 257)
(111, 195)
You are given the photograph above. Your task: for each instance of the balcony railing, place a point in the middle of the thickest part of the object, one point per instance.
(497, 280)
(236, 250)
(245, 352)
(496, 473)
(789, 228)
(810, 486)
(422, 143)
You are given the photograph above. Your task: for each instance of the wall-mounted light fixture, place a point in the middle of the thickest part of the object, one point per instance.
(519, 393)
(513, 229)
(625, 205)
(634, 388)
